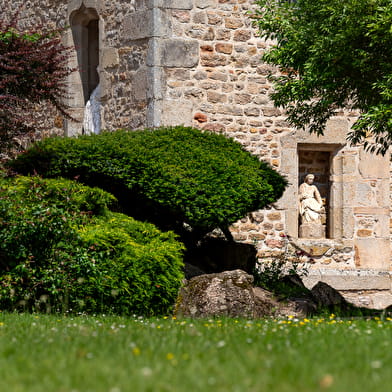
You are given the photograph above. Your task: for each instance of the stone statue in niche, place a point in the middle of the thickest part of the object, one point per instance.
(311, 210)
(92, 113)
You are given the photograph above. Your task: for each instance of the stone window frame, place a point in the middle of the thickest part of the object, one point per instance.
(85, 25)
(334, 213)
(76, 99)
(334, 142)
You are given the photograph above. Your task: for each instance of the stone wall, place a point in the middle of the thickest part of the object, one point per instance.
(227, 91)
(198, 63)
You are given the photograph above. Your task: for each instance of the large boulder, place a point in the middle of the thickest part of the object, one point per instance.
(228, 293)
(231, 294)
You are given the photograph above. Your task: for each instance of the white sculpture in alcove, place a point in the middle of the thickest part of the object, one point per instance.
(310, 203)
(92, 113)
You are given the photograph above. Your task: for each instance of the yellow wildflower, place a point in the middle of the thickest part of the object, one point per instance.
(136, 351)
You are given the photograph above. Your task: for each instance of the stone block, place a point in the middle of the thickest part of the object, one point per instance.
(182, 16)
(372, 165)
(176, 4)
(73, 128)
(292, 222)
(106, 85)
(145, 24)
(312, 247)
(76, 99)
(242, 35)
(272, 243)
(333, 135)
(215, 97)
(271, 111)
(347, 223)
(180, 53)
(349, 279)
(204, 3)
(109, 58)
(337, 166)
(349, 163)
(311, 230)
(382, 228)
(233, 23)
(274, 216)
(200, 117)
(364, 195)
(139, 85)
(224, 48)
(349, 193)
(176, 113)
(383, 192)
(369, 299)
(364, 233)
(337, 125)
(213, 60)
(372, 253)
(336, 194)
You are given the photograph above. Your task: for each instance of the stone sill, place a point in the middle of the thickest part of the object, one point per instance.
(350, 279)
(319, 247)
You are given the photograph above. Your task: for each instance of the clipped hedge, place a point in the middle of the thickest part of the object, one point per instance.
(62, 249)
(169, 176)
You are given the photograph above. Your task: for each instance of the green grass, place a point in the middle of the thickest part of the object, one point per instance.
(41, 353)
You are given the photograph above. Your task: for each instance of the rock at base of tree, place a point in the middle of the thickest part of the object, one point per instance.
(229, 293)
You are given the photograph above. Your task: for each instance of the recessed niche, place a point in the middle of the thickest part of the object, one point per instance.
(85, 31)
(316, 162)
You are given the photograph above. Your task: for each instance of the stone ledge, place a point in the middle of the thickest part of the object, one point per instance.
(319, 247)
(371, 299)
(350, 279)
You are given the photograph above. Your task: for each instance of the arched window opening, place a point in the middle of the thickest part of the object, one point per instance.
(85, 31)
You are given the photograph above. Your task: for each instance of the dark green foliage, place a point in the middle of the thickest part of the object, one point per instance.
(334, 54)
(168, 176)
(62, 249)
(281, 276)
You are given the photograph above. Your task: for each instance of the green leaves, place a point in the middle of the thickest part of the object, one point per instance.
(169, 176)
(60, 242)
(333, 55)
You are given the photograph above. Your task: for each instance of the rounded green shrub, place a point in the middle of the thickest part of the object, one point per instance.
(61, 249)
(172, 176)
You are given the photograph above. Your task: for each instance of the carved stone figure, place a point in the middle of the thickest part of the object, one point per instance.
(310, 203)
(92, 115)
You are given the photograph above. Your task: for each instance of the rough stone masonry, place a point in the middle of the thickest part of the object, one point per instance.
(198, 63)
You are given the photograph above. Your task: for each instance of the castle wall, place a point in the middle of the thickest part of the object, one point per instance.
(227, 92)
(198, 63)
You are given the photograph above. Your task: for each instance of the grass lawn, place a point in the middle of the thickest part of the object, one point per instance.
(40, 353)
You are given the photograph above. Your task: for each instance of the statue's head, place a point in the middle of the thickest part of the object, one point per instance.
(309, 179)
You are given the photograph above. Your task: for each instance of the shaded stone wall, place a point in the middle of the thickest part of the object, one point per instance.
(124, 74)
(198, 63)
(221, 85)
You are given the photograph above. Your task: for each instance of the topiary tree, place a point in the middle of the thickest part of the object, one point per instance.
(61, 249)
(179, 178)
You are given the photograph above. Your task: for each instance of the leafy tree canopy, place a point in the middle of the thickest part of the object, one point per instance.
(171, 176)
(333, 54)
